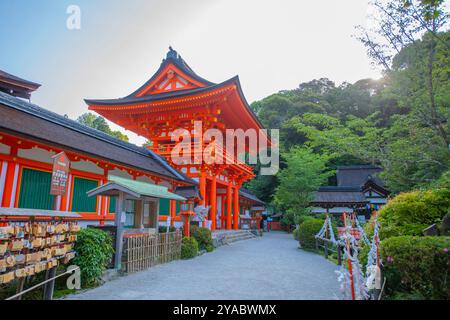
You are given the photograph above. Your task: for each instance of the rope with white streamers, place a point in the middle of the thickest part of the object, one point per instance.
(372, 257)
(361, 230)
(361, 292)
(327, 225)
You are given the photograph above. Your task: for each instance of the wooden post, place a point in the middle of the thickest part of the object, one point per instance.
(120, 204)
(236, 208)
(213, 210)
(339, 254)
(49, 286)
(349, 262)
(229, 207)
(326, 249)
(19, 288)
(172, 212)
(203, 187)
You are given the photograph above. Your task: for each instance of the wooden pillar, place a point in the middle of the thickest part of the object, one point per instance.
(203, 187)
(172, 211)
(236, 208)
(229, 207)
(11, 184)
(119, 231)
(103, 205)
(223, 219)
(3, 170)
(213, 210)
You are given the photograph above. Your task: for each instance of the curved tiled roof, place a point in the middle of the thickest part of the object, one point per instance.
(247, 194)
(174, 58)
(335, 196)
(357, 176)
(35, 121)
(7, 76)
(131, 99)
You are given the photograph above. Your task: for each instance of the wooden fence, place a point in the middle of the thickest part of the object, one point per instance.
(144, 251)
(328, 246)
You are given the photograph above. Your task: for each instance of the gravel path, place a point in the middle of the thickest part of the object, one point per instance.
(271, 267)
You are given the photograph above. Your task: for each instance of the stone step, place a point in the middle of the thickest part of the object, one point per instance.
(227, 237)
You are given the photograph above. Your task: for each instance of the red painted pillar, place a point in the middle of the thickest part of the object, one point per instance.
(3, 171)
(222, 213)
(229, 207)
(213, 210)
(236, 208)
(186, 227)
(172, 211)
(11, 184)
(203, 187)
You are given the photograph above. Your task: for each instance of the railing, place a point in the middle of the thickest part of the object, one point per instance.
(329, 246)
(144, 251)
(48, 284)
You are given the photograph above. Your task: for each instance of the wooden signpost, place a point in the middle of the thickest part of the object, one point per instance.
(60, 173)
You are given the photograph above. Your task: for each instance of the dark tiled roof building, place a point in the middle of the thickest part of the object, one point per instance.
(358, 187)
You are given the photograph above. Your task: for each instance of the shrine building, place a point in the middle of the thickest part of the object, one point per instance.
(30, 136)
(175, 97)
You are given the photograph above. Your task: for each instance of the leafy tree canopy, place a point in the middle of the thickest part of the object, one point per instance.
(99, 123)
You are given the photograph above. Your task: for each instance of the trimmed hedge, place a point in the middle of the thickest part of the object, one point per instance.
(189, 248)
(409, 213)
(307, 230)
(94, 249)
(303, 218)
(203, 237)
(417, 265)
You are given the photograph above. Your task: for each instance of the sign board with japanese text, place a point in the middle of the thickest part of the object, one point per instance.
(60, 174)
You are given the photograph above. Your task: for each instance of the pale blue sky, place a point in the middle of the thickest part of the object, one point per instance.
(272, 45)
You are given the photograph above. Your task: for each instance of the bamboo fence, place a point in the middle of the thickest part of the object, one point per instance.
(144, 251)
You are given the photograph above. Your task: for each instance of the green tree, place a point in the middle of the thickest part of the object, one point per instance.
(304, 173)
(99, 123)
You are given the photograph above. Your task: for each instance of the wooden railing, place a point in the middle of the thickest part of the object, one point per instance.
(144, 251)
(328, 246)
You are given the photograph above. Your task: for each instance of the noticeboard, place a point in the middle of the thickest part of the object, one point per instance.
(60, 174)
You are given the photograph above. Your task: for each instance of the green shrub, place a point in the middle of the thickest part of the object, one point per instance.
(189, 248)
(94, 250)
(417, 265)
(203, 237)
(303, 218)
(307, 231)
(410, 213)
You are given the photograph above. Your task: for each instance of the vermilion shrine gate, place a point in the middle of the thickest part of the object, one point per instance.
(175, 97)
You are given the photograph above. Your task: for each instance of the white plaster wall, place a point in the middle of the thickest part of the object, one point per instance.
(120, 173)
(36, 154)
(87, 166)
(4, 149)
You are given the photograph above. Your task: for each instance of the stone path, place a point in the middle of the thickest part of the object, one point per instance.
(271, 267)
